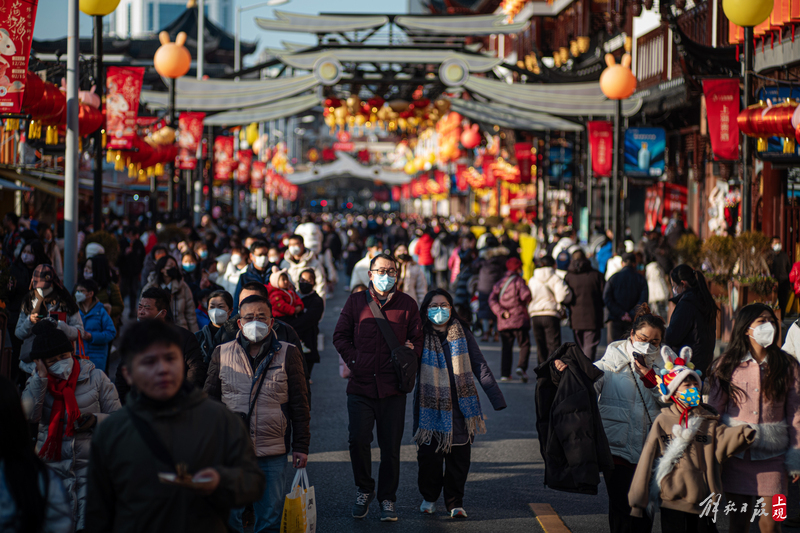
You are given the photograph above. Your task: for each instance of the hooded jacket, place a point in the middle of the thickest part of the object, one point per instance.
(586, 305)
(626, 419)
(657, 287)
(687, 465)
(572, 440)
(99, 324)
(514, 300)
(125, 495)
(307, 261)
(688, 326)
(94, 394)
(181, 302)
(490, 266)
(548, 291)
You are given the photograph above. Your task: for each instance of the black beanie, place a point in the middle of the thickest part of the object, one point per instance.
(49, 341)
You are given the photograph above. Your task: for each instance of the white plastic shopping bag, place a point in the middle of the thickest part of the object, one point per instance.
(300, 506)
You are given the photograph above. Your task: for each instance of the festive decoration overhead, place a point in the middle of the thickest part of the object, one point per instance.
(98, 7)
(617, 81)
(747, 13)
(172, 60)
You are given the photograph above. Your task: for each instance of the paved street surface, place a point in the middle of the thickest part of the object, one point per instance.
(507, 471)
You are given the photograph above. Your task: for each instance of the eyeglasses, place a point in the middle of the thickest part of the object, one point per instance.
(439, 306)
(384, 272)
(654, 342)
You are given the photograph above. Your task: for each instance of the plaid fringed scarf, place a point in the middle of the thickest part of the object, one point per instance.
(435, 403)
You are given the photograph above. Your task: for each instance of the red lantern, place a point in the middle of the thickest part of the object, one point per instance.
(471, 137)
(748, 119)
(778, 120)
(34, 89)
(89, 119)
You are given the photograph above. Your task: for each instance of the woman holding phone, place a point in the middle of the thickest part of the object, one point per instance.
(67, 397)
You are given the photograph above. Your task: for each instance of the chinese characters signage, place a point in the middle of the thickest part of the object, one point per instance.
(722, 108)
(223, 158)
(644, 152)
(601, 141)
(190, 133)
(124, 86)
(17, 18)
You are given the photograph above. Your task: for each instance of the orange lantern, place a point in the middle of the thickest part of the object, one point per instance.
(172, 60)
(617, 81)
(471, 137)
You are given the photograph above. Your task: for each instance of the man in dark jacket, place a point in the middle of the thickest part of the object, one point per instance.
(154, 304)
(373, 394)
(258, 270)
(572, 441)
(780, 268)
(167, 423)
(262, 379)
(624, 292)
(306, 324)
(131, 262)
(586, 306)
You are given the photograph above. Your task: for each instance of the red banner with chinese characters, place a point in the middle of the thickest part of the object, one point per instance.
(601, 141)
(524, 153)
(16, 31)
(722, 108)
(245, 158)
(124, 86)
(396, 192)
(189, 136)
(223, 158)
(257, 172)
(461, 178)
(661, 200)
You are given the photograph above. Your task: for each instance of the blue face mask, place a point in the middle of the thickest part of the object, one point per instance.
(690, 397)
(383, 283)
(189, 267)
(438, 316)
(203, 254)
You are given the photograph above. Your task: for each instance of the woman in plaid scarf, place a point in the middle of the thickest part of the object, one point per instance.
(447, 412)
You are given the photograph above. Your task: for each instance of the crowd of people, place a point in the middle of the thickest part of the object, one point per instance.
(227, 333)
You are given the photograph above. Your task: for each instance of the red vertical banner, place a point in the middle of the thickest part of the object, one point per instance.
(722, 108)
(396, 193)
(601, 141)
(257, 171)
(524, 153)
(461, 178)
(190, 133)
(245, 158)
(124, 86)
(17, 18)
(223, 158)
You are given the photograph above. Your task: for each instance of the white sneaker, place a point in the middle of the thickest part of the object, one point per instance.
(458, 512)
(427, 507)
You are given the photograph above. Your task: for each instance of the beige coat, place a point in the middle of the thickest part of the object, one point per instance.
(413, 281)
(181, 302)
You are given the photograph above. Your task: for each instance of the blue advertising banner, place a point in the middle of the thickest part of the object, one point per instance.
(644, 152)
(561, 161)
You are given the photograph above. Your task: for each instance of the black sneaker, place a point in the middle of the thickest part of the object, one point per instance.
(388, 514)
(363, 499)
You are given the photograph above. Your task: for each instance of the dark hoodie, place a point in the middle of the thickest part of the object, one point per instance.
(586, 306)
(688, 326)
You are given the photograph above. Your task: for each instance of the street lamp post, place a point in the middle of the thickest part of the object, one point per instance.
(237, 52)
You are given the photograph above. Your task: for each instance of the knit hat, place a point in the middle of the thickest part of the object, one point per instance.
(513, 263)
(93, 249)
(49, 341)
(275, 277)
(676, 369)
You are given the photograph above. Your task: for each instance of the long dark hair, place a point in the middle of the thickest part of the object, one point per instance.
(781, 367)
(427, 325)
(697, 282)
(40, 256)
(101, 271)
(24, 471)
(161, 263)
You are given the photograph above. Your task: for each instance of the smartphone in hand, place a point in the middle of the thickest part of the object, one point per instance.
(639, 358)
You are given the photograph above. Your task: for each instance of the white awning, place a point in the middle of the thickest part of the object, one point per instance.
(285, 21)
(306, 60)
(460, 25)
(284, 108)
(346, 166)
(511, 117)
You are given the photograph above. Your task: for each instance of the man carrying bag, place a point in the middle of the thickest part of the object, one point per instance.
(382, 371)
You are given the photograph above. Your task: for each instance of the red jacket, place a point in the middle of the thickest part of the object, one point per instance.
(283, 301)
(794, 277)
(424, 245)
(359, 341)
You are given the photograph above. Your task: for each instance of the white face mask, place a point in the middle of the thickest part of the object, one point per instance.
(294, 250)
(62, 369)
(28, 259)
(764, 334)
(80, 297)
(217, 316)
(776, 247)
(644, 348)
(87, 274)
(274, 259)
(260, 261)
(236, 259)
(255, 331)
(44, 292)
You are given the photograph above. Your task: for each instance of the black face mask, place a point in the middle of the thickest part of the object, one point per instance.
(174, 273)
(404, 258)
(305, 287)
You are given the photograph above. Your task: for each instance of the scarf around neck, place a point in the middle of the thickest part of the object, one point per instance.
(63, 393)
(435, 399)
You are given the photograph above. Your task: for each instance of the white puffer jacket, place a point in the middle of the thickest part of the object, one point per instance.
(657, 288)
(624, 416)
(95, 394)
(548, 292)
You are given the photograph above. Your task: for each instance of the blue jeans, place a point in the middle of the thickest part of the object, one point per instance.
(269, 508)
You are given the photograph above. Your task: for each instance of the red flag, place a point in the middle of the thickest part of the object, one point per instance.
(124, 86)
(722, 109)
(257, 172)
(245, 158)
(191, 131)
(524, 154)
(18, 18)
(223, 158)
(601, 141)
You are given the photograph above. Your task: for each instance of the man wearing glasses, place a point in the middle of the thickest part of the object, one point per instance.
(262, 380)
(373, 394)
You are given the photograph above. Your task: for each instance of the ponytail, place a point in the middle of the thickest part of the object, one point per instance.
(697, 282)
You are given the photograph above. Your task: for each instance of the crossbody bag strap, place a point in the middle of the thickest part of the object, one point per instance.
(153, 442)
(641, 397)
(505, 286)
(262, 377)
(386, 329)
